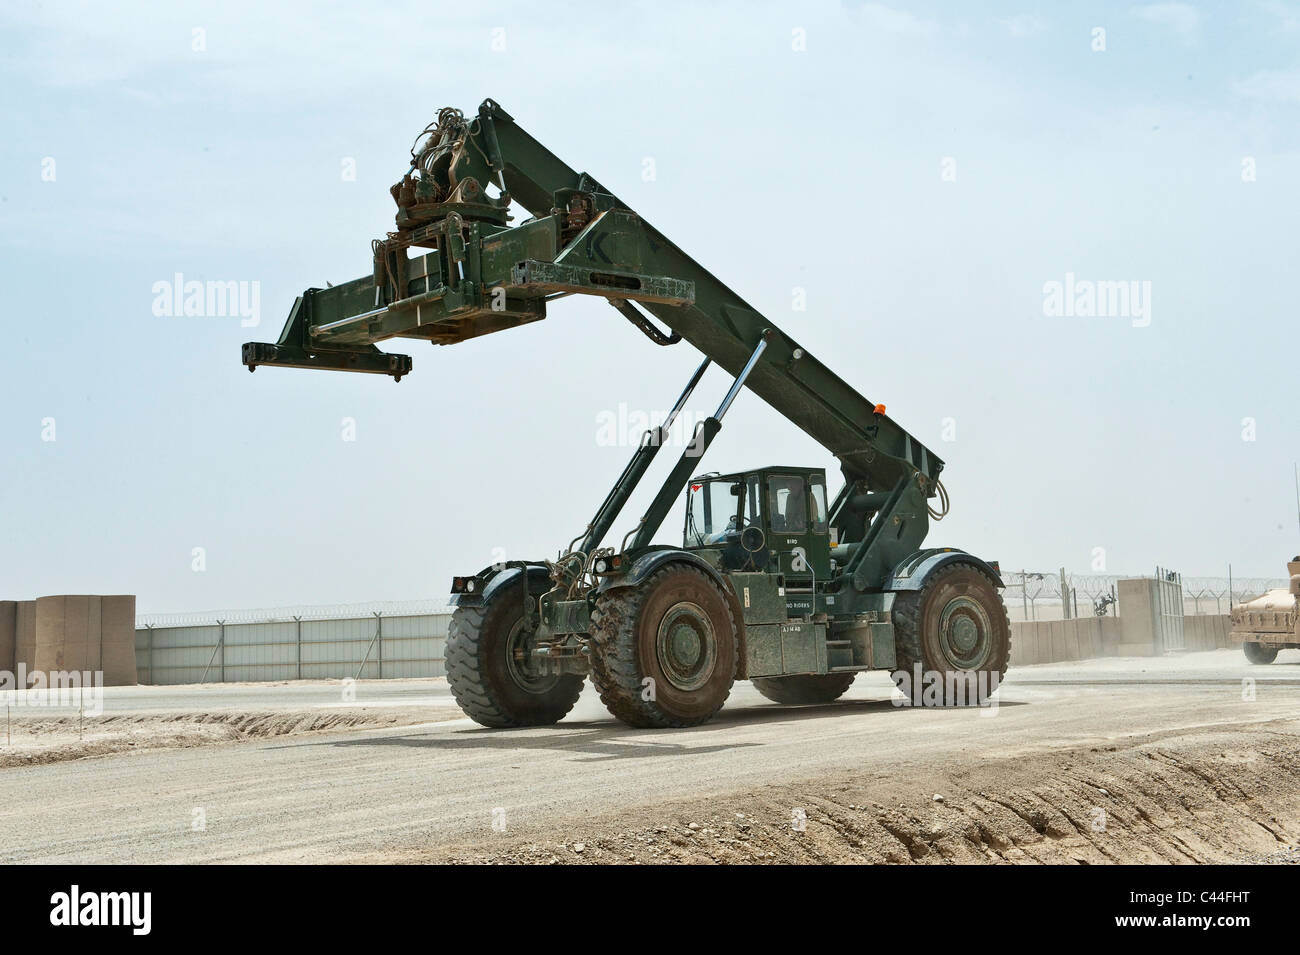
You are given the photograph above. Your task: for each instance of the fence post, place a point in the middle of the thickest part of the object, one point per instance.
(219, 648)
(379, 629)
(149, 651)
(379, 644)
(298, 645)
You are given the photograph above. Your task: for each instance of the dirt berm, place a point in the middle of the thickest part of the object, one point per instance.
(31, 740)
(1228, 795)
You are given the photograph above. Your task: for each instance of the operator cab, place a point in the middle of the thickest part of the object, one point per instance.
(772, 520)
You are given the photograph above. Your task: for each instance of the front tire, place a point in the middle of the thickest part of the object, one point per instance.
(664, 652)
(491, 683)
(1259, 653)
(804, 689)
(955, 627)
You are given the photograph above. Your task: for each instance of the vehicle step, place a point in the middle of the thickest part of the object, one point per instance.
(849, 669)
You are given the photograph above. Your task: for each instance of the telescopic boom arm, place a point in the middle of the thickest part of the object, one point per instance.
(455, 269)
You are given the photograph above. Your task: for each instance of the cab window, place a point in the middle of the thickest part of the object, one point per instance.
(753, 501)
(818, 501)
(712, 512)
(787, 504)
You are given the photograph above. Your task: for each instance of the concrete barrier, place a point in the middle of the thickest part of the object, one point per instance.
(1207, 632)
(1024, 648)
(1089, 632)
(1085, 638)
(1151, 613)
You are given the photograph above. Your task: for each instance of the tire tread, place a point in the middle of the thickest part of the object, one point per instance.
(614, 670)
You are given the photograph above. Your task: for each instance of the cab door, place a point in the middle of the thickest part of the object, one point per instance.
(796, 517)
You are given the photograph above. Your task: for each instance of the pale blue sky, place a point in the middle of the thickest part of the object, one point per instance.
(776, 168)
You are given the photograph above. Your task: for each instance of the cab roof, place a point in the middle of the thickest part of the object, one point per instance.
(770, 469)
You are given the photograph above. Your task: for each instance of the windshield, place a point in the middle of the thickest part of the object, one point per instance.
(712, 511)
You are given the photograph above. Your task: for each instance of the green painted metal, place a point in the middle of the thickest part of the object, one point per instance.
(760, 597)
(803, 647)
(636, 469)
(763, 650)
(456, 269)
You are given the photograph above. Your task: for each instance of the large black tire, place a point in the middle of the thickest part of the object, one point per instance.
(488, 684)
(1258, 653)
(956, 624)
(664, 653)
(805, 688)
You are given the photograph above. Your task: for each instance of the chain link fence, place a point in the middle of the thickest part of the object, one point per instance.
(199, 618)
(1057, 595)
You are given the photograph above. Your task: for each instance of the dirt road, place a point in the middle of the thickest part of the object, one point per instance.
(1181, 760)
(52, 726)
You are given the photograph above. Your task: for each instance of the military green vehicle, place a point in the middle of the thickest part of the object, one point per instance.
(775, 580)
(1270, 622)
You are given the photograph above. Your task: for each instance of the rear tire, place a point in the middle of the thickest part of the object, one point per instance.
(805, 688)
(1259, 653)
(664, 653)
(956, 624)
(490, 685)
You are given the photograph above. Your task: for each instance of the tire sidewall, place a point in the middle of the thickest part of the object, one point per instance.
(500, 615)
(1259, 653)
(969, 582)
(684, 584)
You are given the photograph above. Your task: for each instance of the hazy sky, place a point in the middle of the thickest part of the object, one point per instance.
(923, 172)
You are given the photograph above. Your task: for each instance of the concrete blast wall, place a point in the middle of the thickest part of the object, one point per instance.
(1151, 616)
(1150, 623)
(1057, 641)
(1208, 632)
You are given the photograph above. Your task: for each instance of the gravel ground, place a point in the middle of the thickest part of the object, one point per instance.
(1176, 732)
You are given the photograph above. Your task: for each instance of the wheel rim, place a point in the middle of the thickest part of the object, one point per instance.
(686, 646)
(965, 633)
(520, 666)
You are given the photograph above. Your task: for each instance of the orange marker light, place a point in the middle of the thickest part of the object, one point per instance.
(880, 409)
